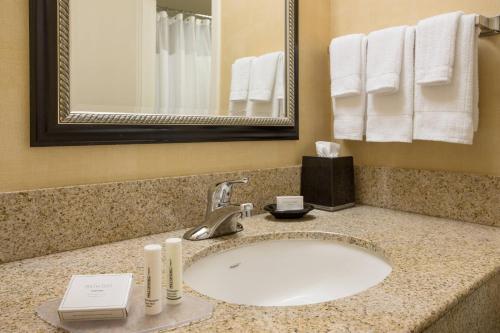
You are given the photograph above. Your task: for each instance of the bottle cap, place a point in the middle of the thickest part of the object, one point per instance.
(152, 248)
(173, 241)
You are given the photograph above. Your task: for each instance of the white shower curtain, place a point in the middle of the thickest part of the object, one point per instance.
(183, 64)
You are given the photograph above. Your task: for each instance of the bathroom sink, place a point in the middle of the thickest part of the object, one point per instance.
(287, 272)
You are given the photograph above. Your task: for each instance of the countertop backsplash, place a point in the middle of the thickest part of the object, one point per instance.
(465, 197)
(45, 221)
(40, 222)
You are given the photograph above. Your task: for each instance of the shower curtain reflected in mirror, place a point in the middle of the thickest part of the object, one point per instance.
(183, 65)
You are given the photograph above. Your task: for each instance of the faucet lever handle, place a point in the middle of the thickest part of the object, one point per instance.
(226, 188)
(230, 183)
(220, 195)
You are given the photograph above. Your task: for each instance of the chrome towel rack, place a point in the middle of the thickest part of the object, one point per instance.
(489, 25)
(187, 13)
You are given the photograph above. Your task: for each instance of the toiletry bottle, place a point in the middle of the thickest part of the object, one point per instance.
(152, 279)
(173, 270)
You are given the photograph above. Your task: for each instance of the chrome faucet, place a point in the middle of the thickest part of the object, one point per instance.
(222, 217)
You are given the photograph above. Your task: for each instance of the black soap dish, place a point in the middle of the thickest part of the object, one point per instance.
(288, 214)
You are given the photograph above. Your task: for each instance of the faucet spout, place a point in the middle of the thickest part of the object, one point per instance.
(222, 221)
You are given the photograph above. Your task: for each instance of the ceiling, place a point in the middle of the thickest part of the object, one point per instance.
(195, 6)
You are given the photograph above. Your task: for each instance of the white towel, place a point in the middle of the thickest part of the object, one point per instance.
(449, 112)
(275, 107)
(350, 112)
(384, 59)
(263, 77)
(240, 83)
(345, 66)
(238, 108)
(390, 116)
(240, 79)
(435, 49)
(475, 78)
(279, 90)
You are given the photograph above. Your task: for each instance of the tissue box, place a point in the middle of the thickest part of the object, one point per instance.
(328, 183)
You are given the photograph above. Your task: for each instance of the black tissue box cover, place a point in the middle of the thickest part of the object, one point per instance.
(328, 183)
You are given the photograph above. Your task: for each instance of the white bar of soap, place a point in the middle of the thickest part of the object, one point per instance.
(96, 297)
(285, 203)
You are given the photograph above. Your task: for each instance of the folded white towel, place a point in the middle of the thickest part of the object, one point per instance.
(384, 59)
(240, 79)
(475, 96)
(350, 112)
(449, 112)
(345, 65)
(280, 77)
(435, 49)
(238, 108)
(263, 77)
(262, 109)
(279, 89)
(390, 116)
(275, 107)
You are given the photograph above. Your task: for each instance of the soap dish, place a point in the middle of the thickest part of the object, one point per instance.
(288, 214)
(193, 309)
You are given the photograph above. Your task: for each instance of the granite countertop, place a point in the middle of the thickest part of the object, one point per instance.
(436, 263)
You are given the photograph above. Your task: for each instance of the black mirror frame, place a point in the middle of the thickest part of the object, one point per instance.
(44, 95)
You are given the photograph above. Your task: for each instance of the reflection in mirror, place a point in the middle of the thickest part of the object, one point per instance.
(178, 57)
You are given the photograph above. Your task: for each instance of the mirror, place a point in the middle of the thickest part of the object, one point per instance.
(133, 71)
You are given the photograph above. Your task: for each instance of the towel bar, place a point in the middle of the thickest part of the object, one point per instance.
(489, 26)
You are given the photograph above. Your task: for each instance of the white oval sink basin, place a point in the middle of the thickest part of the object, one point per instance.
(287, 272)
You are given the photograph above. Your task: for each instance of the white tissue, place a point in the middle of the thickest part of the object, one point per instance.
(327, 149)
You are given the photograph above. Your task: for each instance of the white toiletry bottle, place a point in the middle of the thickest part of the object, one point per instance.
(152, 279)
(173, 269)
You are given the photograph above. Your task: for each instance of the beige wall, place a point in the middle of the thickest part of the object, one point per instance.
(22, 167)
(350, 16)
(248, 30)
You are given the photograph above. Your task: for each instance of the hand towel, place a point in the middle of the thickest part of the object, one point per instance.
(449, 112)
(350, 112)
(390, 116)
(240, 79)
(275, 106)
(345, 65)
(435, 49)
(238, 108)
(384, 59)
(263, 77)
(279, 90)
(475, 97)
(263, 109)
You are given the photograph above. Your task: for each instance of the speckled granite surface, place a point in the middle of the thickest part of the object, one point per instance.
(437, 264)
(464, 197)
(61, 219)
(480, 312)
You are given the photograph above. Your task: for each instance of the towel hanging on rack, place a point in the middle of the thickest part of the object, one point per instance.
(489, 26)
